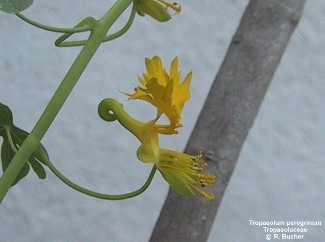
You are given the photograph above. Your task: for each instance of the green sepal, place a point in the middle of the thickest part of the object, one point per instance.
(153, 9)
(177, 182)
(14, 6)
(18, 136)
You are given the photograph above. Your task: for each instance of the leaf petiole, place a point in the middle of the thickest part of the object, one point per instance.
(51, 28)
(97, 194)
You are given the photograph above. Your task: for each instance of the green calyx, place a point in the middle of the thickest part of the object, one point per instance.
(153, 8)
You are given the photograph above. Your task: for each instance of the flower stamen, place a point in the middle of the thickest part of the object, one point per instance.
(175, 6)
(179, 168)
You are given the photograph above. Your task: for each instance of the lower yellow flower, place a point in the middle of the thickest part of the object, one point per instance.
(185, 173)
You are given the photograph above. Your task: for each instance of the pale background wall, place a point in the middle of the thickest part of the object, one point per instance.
(280, 171)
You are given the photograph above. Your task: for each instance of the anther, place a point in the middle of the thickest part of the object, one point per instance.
(204, 165)
(204, 184)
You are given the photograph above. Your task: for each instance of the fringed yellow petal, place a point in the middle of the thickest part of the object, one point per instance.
(164, 91)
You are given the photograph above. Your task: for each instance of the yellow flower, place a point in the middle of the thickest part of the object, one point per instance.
(158, 9)
(164, 91)
(185, 173)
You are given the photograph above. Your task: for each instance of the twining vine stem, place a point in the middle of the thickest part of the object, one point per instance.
(98, 30)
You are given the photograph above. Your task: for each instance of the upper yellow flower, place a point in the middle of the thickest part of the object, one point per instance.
(158, 9)
(164, 91)
(185, 173)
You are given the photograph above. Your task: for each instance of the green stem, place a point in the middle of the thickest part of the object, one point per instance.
(124, 29)
(61, 43)
(89, 21)
(51, 28)
(97, 194)
(31, 143)
(11, 142)
(85, 190)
